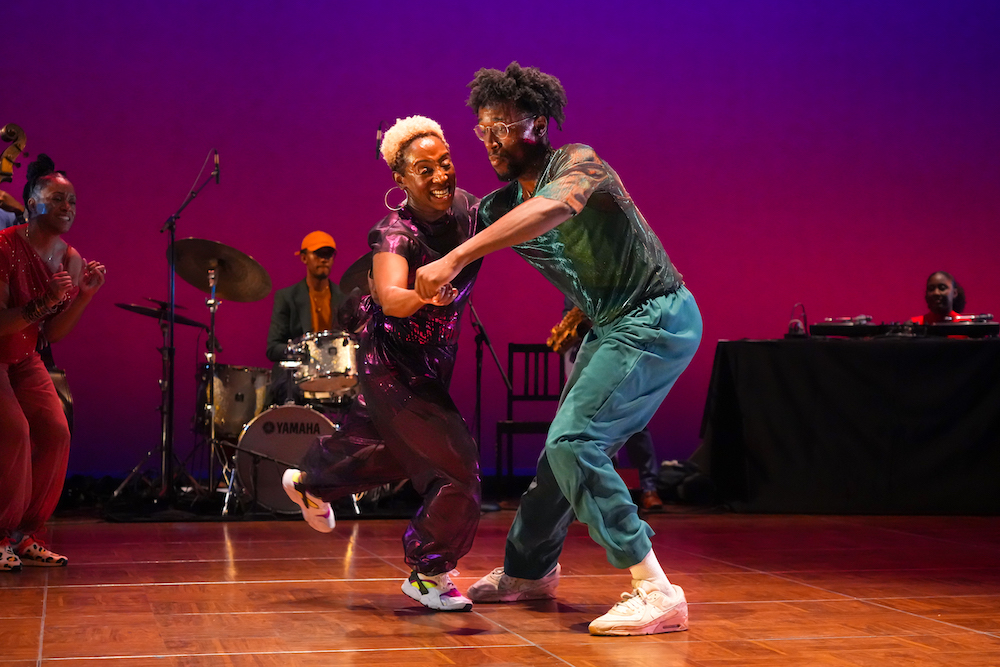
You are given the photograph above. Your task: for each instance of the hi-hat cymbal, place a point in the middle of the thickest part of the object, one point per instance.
(164, 304)
(356, 274)
(238, 277)
(160, 314)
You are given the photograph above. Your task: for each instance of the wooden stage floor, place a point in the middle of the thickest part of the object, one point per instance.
(763, 590)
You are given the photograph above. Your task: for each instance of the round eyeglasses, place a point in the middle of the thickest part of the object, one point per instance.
(499, 130)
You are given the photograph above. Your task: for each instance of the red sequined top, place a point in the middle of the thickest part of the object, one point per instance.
(27, 278)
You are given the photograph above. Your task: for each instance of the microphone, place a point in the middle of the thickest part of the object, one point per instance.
(378, 141)
(216, 166)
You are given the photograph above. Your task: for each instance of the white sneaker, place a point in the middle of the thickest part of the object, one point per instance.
(499, 587)
(9, 562)
(436, 592)
(316, 512)
(34, 553)
(644, 611)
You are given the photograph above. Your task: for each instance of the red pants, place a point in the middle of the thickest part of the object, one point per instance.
(34, 446)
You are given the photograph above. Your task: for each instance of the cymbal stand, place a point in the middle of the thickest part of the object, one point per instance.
(214, 448)
(167, 383)
(165, 357)
(481, 340)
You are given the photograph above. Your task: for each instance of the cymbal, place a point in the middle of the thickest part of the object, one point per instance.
(238, 277)
(164, 304)
(356, 274)
(160, 313)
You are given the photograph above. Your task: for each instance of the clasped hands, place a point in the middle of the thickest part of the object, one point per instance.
(432, 277)
(442, 295)
(94, 275)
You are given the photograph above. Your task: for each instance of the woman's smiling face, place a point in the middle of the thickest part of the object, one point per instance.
(428, 176)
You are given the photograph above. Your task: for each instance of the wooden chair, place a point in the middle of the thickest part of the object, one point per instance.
(537, 374)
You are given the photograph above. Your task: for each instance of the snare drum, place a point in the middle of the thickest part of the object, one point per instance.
(274, 441)
(327, 363)
(238, 393)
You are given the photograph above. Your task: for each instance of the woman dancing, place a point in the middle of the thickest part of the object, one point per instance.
(44, 287)
(408, 427)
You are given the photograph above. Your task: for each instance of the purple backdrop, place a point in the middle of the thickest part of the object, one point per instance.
(832, 153)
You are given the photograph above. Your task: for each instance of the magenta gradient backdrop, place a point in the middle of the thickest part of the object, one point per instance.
(832, 153)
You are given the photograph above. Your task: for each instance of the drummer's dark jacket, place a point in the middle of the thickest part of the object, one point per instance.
(292, 316)
(290, 319)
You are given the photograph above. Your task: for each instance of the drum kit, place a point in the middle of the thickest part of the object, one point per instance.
(323, 367)
(253, 442)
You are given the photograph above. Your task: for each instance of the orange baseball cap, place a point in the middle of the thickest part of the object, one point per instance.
(316, 240)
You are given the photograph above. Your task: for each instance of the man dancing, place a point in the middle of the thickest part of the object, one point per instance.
(568, 214)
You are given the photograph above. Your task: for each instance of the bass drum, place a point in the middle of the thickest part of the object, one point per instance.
(274, 441)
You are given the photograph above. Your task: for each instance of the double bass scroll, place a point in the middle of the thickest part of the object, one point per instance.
(13, 135)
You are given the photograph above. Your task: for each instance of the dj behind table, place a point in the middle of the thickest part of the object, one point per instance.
(851, 417)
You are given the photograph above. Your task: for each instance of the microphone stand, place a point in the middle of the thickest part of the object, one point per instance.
(167, 383)
(483, 339)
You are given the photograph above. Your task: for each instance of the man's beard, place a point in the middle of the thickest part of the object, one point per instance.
(507, 176)
(533, 155)
(511, 172)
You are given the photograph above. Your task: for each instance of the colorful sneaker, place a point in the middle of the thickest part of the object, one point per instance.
(316, 512)
(33, 553)
(644, 611)
(498, 587)
(436, 592)
(9, 562)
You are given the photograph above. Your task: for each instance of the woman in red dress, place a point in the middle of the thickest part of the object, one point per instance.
(44, 288)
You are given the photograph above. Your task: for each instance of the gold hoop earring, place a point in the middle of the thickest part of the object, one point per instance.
(385, 199)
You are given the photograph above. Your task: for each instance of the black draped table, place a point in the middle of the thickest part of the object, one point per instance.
(879, 426)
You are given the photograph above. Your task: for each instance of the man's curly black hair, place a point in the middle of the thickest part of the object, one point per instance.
(527, 88)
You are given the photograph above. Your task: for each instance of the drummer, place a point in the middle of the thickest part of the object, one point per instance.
(307, 306)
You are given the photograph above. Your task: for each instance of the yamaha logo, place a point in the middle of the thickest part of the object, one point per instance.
(291, 428)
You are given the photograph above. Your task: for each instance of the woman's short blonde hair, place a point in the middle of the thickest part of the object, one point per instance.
(405, 130)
